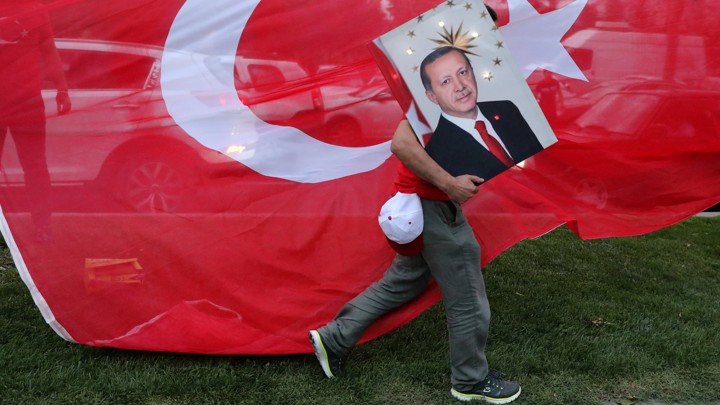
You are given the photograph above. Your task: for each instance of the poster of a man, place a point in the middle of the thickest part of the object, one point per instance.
(481, 138)
(469, 94)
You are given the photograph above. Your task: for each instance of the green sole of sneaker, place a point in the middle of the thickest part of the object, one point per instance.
(476, 397)
(320, 352)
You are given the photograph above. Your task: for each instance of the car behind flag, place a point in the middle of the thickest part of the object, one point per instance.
(176, 178)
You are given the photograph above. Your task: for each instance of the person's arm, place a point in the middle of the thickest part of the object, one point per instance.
(56, 74)
(407, 148)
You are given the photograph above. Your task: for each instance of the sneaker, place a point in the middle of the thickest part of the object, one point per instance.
(330, 362)
(492, 389)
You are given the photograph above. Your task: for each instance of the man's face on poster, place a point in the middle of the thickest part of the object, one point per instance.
(453, 85)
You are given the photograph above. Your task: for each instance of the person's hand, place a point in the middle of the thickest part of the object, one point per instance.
(461, 188)
(63, 102)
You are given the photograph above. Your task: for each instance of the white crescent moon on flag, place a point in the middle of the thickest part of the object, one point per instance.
(197, 68)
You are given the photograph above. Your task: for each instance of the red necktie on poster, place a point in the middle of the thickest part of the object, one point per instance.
(493, 145)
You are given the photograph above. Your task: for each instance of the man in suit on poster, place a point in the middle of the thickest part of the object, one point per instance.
(478, 138)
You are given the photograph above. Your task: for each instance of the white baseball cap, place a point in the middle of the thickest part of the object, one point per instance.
(401, 219)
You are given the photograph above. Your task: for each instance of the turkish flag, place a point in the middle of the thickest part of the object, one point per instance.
(205, 176)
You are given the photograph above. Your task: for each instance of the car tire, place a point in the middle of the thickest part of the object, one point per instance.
(153, 184)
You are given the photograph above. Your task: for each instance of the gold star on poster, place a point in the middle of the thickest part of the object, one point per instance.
(450, 3)
(494, 28)
(483, 14)
(456, 39)
(499, 44)
(411, 33)
(420, 18)
(468, 6)
(415, 68)
(488, 76)
(497, 61)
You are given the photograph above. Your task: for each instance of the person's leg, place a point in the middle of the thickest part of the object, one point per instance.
(406, 278)
(453, 254)
(29, 141)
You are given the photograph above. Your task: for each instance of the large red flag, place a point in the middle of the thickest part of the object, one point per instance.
(204, 176)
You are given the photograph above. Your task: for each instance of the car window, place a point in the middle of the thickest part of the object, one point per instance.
(265, 75)
(689, 116)
(619, 113)
(92, 70)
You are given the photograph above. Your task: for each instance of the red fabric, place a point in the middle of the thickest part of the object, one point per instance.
(409, 182)
(22, 32)
(156, 242)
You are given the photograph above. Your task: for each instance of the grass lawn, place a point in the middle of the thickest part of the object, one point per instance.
(576, 322)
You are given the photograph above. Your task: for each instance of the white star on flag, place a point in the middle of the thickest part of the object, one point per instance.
(534, 38)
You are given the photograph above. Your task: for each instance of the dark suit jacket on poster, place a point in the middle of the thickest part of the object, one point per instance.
(459, 153)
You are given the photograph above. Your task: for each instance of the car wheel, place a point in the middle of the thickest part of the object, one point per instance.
(155, 185)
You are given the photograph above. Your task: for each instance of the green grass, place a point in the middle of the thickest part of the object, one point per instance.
(576, 322)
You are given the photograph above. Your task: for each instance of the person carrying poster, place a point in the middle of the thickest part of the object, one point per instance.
(443, 176)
